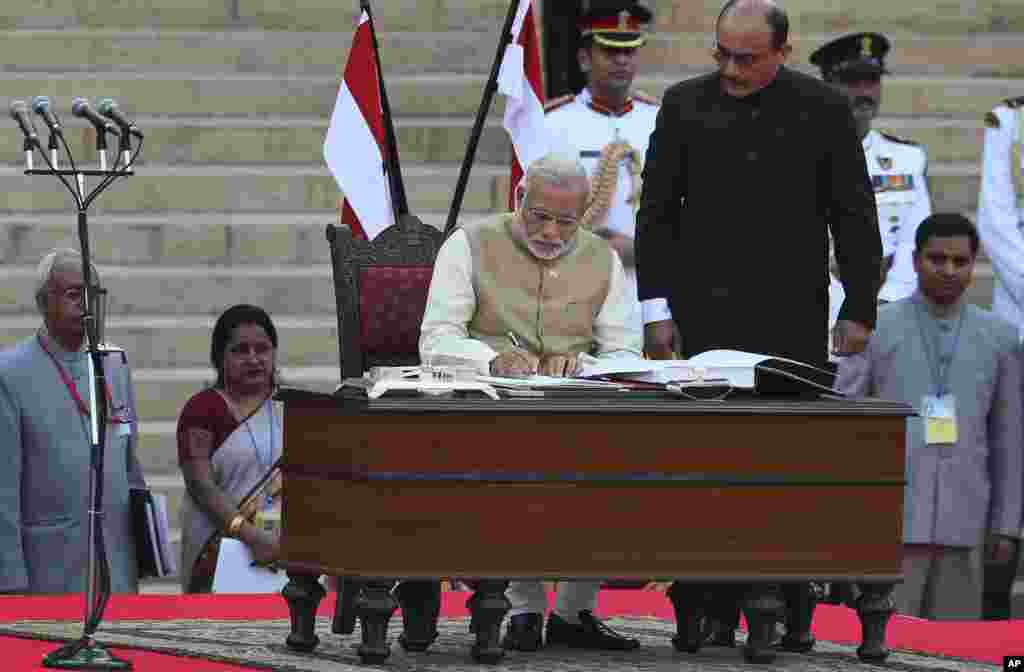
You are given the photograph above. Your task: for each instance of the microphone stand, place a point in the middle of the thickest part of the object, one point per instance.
(86, 653)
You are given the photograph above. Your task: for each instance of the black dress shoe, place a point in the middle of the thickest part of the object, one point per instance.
(589, 633)
(523, 632)
(724, 637)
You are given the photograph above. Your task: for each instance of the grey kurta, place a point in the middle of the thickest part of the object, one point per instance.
(955, 492)
(44, 481)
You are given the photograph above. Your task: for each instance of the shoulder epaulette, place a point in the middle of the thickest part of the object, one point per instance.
(1014, 103)
(556, 103)
(646, 98)
(896, 138)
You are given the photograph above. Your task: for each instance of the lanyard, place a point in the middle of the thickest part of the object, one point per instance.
(73, 391)
(252, 437)
(939, 371)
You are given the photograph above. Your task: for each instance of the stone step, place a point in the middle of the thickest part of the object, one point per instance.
(958, 55)
(181, 238)
(814, 16)
(191, 290)
(481, 15)
(160, 394)
(268, 189)
(431, 140)
(283, 140)
(425, 95)
(313, 15)
(155, 341)
(257, 51)
(252, 188)
(196, 291)
(239, 51)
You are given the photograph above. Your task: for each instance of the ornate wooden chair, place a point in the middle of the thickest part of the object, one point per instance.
(380, 287)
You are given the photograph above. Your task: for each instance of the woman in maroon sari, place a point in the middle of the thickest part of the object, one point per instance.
(229, 443)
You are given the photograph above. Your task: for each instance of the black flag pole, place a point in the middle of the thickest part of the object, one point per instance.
(396, 187)
(481, 117)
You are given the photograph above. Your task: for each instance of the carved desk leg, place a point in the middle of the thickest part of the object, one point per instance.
(688, 602)
(303, 594)
(348, 590)
(421, 605)
(375, 607)
(763, 606)
(874, 607)
(801, 598)
(489, 606)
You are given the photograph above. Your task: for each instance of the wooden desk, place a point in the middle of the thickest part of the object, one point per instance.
(643, 486)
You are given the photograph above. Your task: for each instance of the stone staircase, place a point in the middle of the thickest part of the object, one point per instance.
(231, 196)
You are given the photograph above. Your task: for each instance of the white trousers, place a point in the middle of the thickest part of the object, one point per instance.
(572, 597)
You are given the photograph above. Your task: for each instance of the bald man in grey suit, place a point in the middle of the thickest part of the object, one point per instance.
(959, 365)
(45, 449)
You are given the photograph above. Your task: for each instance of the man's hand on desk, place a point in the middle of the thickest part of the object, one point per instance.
(849, 338)
(515, 363)
(559, 366)
(658, 339)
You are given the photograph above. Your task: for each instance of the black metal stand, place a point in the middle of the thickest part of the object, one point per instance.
(86, 653)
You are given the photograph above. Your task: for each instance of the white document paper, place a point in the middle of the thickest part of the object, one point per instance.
(235, 573)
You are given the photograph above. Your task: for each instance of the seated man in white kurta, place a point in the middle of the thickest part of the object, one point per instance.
(534, 277)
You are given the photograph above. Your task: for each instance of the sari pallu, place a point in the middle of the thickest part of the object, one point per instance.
(245, 478)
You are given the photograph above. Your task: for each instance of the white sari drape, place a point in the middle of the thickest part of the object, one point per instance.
(242, 460)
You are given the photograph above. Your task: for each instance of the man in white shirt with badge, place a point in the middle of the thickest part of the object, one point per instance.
(898, 168)
(609, 123)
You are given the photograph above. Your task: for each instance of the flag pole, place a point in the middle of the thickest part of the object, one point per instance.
(481, 116)
(399, 202)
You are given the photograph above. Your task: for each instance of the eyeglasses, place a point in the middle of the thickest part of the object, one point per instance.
(72, 294)
(545, 217)
(723, 56)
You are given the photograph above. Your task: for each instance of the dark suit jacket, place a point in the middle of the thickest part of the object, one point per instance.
(738, 197)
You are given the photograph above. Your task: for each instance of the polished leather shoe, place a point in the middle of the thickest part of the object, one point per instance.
(523, 632)
(589, 633)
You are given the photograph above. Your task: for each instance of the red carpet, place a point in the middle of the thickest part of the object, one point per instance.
(981, 641)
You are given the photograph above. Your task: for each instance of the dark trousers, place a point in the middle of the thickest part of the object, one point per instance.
(995, 604)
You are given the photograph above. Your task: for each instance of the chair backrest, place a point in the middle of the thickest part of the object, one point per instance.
(380, 288)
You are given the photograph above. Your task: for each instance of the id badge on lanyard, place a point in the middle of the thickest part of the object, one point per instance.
(938, 410)
(939, 413)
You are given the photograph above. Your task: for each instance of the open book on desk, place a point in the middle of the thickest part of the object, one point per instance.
(737, 369)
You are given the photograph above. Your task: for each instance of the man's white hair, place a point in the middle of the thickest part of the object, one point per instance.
(60, 259)
(558, 168)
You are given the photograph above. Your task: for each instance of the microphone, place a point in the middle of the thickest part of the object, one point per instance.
(41, 106)
(19, 112)
(109, 109)
(80, 108)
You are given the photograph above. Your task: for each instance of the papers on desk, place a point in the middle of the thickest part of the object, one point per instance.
(732, 368)
(541, 383)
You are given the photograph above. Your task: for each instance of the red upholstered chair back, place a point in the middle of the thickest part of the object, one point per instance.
(380, 288)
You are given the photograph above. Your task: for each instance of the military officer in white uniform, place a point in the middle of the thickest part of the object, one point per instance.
(1000, 219)
(609, 123)
(1001, 207)
(898, 168)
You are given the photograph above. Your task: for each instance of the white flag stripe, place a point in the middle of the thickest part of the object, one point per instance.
(351, 151)
(354, 158)
(524, 111)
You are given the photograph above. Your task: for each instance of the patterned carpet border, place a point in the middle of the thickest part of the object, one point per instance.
(260, 644)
